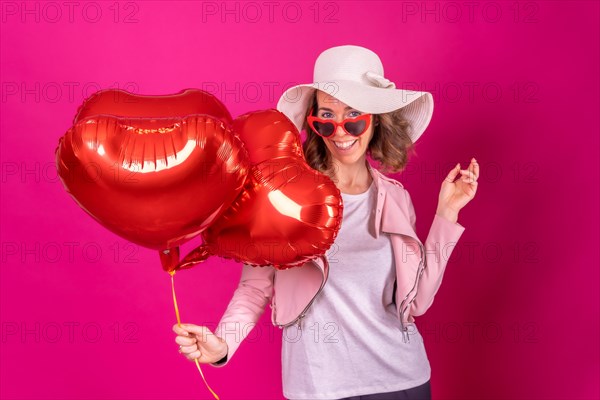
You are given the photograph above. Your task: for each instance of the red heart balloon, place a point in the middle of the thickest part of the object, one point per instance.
(155, 181)
(287, 213)
(120, 103)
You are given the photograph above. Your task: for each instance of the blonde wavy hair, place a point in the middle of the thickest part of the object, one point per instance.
(390, 145)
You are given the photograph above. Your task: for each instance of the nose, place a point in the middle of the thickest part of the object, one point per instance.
(340, 132)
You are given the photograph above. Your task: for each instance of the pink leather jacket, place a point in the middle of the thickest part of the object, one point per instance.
(419, 271)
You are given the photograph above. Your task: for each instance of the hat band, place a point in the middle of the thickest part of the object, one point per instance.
(369, 78)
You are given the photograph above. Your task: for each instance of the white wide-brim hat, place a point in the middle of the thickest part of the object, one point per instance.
(354, 75)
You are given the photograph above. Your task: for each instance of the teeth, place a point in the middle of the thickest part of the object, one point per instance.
(344, 145)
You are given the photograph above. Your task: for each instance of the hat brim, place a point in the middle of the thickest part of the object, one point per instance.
(417, 106)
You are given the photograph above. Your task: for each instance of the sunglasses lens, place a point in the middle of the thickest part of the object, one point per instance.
(325, 129)
(355, 128)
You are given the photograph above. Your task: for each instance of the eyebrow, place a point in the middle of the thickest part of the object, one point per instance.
(329, 109)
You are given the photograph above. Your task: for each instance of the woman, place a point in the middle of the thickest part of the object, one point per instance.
(348, 318)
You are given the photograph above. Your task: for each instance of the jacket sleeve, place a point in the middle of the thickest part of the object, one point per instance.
(245, 308)
(441, 240)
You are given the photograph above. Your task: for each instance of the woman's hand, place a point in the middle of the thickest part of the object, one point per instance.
(198, 342)
(455, 195)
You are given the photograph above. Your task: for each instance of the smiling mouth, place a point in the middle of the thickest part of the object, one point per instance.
(345, 145)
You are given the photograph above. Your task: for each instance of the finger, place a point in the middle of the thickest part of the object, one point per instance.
(467, 175)
(453, 173)
(188, 349)
(200, 331)
(193, 355)
(185, 341)
(180, 331)
(474, 166)
(473, 187)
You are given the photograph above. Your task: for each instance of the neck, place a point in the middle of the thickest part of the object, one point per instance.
(354, 178)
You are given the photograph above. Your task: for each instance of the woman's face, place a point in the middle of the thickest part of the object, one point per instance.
(343, 147)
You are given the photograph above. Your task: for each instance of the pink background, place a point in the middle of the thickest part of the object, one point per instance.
(86, 315)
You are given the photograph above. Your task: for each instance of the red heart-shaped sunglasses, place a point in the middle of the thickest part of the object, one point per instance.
(327, 127)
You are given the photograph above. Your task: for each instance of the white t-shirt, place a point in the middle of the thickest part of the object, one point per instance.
(350, 343)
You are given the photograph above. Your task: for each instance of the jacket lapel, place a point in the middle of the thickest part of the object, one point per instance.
(322, 264)
(392, 211)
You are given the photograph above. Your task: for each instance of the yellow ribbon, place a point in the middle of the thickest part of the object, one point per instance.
(172, 273)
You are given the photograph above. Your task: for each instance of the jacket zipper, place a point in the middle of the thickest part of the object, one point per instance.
(420, 269)
(298, 320)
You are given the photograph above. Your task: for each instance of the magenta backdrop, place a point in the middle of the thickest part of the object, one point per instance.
(86, 315)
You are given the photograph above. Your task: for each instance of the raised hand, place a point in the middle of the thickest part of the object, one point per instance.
(454, 195)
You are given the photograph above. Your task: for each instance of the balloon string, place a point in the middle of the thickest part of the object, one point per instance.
(172, 273)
